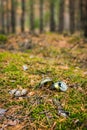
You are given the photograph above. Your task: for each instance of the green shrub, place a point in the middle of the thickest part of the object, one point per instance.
(3, 38)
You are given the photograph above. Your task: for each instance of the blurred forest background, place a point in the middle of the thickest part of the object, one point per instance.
(43, 15)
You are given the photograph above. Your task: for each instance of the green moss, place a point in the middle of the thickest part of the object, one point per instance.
(46, 62)
(37, 113)
(74, 39)
(3, 38)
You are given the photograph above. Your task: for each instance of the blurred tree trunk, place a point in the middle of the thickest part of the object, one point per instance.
(13, 17)
(84, 16)
(2, 17)
(61, 16)
(8, 17)
(32, 16)
(52, 20)
(81, 13)
(41, 15)
(85, 24)
(77, 15)
(66, 16)
(23, 15)
(72, 15)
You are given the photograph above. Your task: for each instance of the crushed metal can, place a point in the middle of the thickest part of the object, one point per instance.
(46, 82)
(60, 85)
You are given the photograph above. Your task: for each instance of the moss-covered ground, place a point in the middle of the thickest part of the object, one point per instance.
(55, 56)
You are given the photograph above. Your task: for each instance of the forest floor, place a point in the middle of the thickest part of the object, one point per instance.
(62, 58)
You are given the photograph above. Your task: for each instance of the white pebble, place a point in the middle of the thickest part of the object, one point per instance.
(24, 92)
(25, 67)
(12, 91)
(18, 93)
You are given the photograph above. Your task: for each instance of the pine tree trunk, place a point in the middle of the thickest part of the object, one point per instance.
(31, 16)
(13, 17)
(72, 15)
(52, 20)
(23, 15)
(2, 17)
(66, 16)
(81, 13)
(8, 17)
(61, 16)
(41, 15)
(85, 27)
(77, 16)
(84, 16)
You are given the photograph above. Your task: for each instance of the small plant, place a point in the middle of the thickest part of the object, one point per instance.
(3, 38)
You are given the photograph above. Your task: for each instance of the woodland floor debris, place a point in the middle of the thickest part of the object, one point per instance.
(48, 82)
(60, 85)
(60, 109)
(25, 67)
(18, 93)
(52, 57)
(2, 112)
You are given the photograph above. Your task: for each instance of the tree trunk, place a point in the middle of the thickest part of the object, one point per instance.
(2, 17)
(84, 16)
(13, 17)
(85, 20)
(81, 13)
(41, 15)
(61, 16)
(52, 20)
(32, 16)
(8, 17)
(23, 15)
(66, 16)
(72, 15)
(77, 16)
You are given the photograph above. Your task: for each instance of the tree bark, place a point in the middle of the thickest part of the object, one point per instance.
(52, 19)
(72, 15)
(41, 16)
(2, 17)
(13, 17)
(8, 17)
(32, 16)
(23, 15)
(61, 16)
(84, 16)
(66, 16)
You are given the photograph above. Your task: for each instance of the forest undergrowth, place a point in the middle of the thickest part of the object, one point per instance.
(62, 58)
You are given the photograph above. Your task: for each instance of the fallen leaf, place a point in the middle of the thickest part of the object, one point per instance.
(31, 93)
(12, 123)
